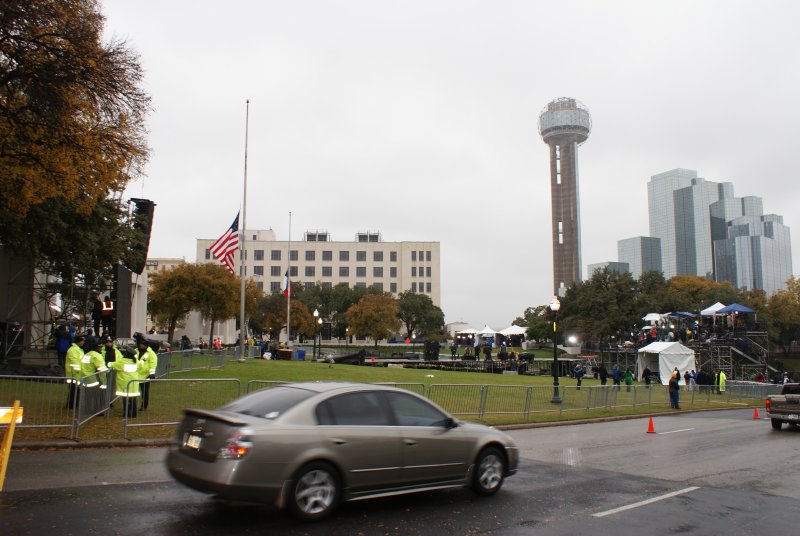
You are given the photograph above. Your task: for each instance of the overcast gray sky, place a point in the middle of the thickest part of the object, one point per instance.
(419, 119)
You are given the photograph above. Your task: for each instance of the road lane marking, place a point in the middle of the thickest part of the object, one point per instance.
(645, 502)
(676, 431)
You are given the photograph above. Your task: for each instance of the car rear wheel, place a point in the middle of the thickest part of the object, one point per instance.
(490, 470)
(776, 424)
(315, 492)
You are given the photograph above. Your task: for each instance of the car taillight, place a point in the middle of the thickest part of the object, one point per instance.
(767, 402)
(237, 446)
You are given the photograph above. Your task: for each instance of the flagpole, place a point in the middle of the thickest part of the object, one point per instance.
(289, 286)
(242, 250)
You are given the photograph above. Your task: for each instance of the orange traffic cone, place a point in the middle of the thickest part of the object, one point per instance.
(650, 428)
(755, 413)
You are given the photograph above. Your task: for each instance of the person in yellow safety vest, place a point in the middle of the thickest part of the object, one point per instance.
(128, 369)
(147, 355)
(73, 370)
(110, 351)
(93, 365)
(722, 380)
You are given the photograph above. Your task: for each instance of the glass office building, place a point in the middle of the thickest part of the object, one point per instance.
(640, 253)
(661, 208)
(756, 255)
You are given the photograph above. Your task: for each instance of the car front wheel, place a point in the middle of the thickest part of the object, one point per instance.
(315, 492)
(776, 424)
(490, 470)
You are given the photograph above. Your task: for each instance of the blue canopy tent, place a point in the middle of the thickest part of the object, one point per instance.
(735, 308)
(682, 314)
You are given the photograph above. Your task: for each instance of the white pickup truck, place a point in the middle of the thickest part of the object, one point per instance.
(785, 407)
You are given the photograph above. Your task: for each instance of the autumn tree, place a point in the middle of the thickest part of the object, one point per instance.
(784, 312)
(218, 294)
(171, 295)
(419, 315)
(374, 316)
(271, 312)
(536, 321)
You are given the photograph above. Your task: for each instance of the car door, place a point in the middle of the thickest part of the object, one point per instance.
(432, 451)
(359, 435)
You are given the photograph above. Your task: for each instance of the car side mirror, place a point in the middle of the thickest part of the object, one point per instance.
(449, 423)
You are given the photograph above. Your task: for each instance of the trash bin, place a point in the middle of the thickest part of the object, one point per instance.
(285, 353)
(300, 355)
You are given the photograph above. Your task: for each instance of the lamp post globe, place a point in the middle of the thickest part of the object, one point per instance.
(555, 305)
(314, 345)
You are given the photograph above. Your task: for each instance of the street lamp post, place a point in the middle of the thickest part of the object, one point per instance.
(314, 343)
(319, 330)
(347, 337)
(555, 305)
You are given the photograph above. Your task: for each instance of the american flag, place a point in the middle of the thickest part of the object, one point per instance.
(226, 244)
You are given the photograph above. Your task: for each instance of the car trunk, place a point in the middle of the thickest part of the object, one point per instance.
(201, 434)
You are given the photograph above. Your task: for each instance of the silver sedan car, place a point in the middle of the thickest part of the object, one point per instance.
(308, 446)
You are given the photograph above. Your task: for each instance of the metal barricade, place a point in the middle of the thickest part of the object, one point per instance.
(507, 399)
(93, 400)
(168, 397)
(44, 399)
(459, 399)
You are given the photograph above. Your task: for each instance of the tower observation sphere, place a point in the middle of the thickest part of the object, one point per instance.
(564, 124)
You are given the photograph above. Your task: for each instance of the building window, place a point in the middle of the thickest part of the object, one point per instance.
(360, 285)
(327, 271)
(258, 255)
(377, 256)
(393, 271)
(308, 285)
(414, 255)
(393, 256)
(275, 255)
(274, 270)
(421, 256)
(293, 271)
(427, 271)
(260, 285)
(208, 254)
(344, 256)
(428, 256)
(327, 255)
(309, 271)
(327, 285)
(258, 270)
(378, 286)
(393, 288)
(413, 287)
(377, 271)
(361, 256)
(361, 271)
(428, 288)
(311, 255)
(274, 286)
(413, 271)
(293, 255)
(344, 271)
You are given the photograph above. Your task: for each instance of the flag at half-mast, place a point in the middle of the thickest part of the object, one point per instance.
(286, 286)
(226, 245)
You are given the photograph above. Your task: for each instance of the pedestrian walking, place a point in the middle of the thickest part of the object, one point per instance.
(129, 371)
(603, 373)
(72, 370)
(628, 379)
(674, 391)
(146, 354)
(647, 376)
(579, 373)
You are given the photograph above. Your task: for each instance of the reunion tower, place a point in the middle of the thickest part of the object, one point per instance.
(564, 124)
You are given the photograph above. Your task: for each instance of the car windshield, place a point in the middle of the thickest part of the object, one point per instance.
(269, 403)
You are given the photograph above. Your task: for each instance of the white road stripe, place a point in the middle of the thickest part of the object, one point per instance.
(645, 502)
(676, 431)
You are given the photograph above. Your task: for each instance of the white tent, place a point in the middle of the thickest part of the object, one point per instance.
(468, 331)
(712, 310)
(665, 357)
(486, 331)
(512, 330)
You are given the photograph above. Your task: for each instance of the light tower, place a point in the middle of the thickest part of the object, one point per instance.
(564, 124)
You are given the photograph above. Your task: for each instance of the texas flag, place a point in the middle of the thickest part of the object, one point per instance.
(286, 286)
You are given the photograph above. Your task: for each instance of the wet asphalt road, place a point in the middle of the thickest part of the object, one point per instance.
(568, 476)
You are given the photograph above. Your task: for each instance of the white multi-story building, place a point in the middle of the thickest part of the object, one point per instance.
(367, 261)
(641, 253)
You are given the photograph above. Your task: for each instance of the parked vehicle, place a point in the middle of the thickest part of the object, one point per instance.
(785, 407)
(308, 446)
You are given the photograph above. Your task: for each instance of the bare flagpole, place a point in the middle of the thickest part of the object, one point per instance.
(289, 285)
(242, 251)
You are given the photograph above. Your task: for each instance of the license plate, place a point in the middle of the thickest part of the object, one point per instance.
(793, 417)
(193, 441)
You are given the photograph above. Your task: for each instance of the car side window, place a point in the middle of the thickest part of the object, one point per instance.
(354, 409)
(411, 411)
